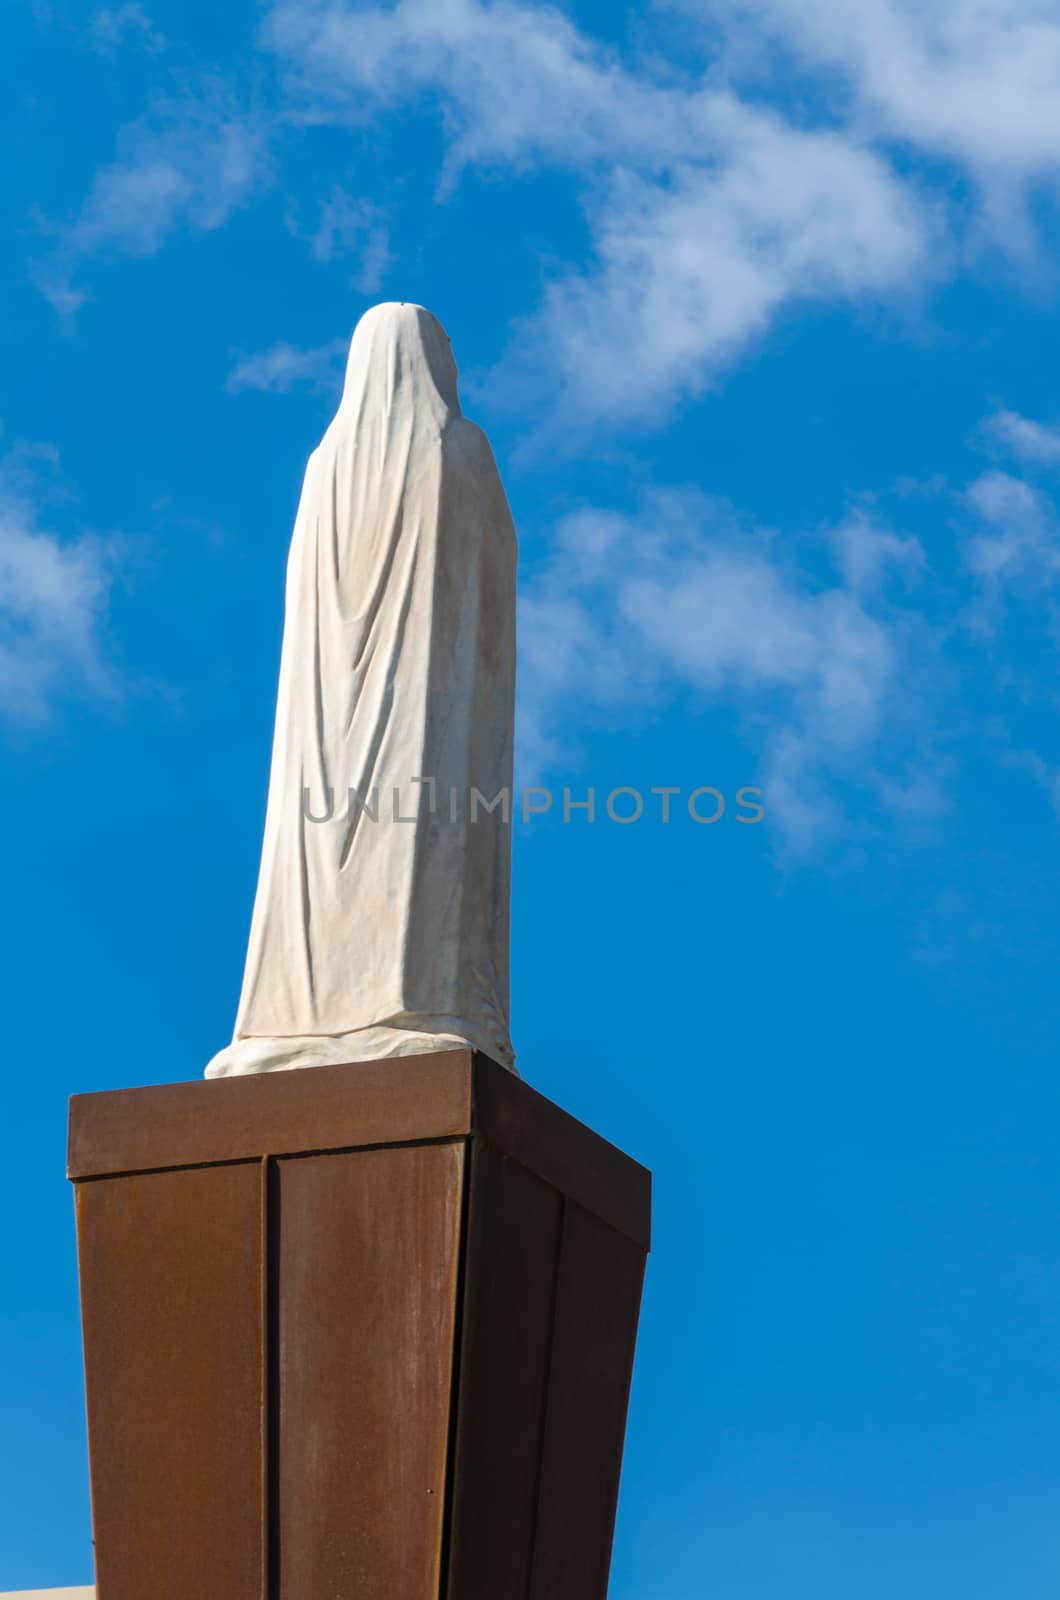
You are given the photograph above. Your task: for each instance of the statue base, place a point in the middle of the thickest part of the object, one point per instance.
(359, 1331)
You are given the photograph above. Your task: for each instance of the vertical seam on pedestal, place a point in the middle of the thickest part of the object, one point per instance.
(463, 1252)
(263, 1375)
(271, 1376)
(546, 1406)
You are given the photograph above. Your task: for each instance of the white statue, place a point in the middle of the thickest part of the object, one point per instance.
(373, 936)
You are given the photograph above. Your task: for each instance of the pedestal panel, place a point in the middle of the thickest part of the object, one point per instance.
(366, 1262)
(171, 1293)
(512, 1250)
(598, 1292)
(365, 1333)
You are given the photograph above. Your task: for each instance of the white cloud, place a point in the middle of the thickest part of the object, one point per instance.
(1045, 776)
(1013, 545)
(867, 550)
(683, 596)
(970, 80)
(1034, 443)
(351, 227)
(839, 677)
(708, 215)
(521, 85)
(53, 606)
(1021, 529)
(1011, 534)
(112, 25)
(189, 162)
(691, 269)
(284, 367)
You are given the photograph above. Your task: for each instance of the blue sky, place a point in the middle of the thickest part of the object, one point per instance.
(758, 301)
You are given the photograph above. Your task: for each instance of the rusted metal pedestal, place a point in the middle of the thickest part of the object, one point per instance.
(355, 1333)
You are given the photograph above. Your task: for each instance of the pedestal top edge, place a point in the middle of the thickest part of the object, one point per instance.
(307, 1108)
(443, 1095)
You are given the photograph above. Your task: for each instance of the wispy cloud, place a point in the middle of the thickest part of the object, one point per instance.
(190, 161)
(868, 553)
(973, 83)
(1047, 777)
(1011, 528)
(1012, 546)
(284, 367)
(521, 84)
(708, 215)
(54, 596)
(113, 25)
(350, 230)
(691, 269)
(686, 597)
(1034, 443)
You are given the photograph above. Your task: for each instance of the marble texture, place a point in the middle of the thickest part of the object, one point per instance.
(374, 937)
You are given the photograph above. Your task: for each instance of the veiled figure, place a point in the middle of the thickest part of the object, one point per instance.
(371, 936)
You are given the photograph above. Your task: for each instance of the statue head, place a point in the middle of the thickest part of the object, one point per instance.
(399, 344)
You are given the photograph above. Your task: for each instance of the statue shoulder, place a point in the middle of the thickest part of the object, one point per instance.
(466, 442)
(469, 459)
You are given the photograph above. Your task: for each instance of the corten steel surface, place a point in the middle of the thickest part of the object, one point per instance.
(171, 1289)
(364, 1390)
(355, 1333)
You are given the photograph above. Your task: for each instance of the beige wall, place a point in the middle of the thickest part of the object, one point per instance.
(50, 1594)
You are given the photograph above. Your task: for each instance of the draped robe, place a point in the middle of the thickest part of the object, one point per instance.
(374, 937)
